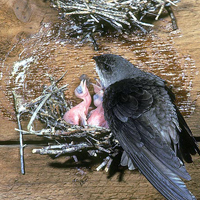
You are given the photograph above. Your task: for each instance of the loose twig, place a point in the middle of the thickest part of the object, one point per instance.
(19, 109)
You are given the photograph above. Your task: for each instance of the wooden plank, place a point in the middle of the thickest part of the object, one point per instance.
(44, 178)
(47, 179)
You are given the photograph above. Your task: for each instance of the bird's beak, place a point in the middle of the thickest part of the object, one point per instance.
(81, 88)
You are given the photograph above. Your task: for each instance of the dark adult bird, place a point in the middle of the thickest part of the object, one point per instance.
(141, 113)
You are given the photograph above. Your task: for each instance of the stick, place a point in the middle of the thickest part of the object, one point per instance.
(52, 151)
(17, 108)
(21, 146)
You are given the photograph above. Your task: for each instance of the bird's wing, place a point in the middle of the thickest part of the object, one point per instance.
(125, 105)
(188, 145)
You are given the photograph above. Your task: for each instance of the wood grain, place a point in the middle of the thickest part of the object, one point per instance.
(49, 179)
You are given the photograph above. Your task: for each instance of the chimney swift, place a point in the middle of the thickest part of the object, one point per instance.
(141, 113)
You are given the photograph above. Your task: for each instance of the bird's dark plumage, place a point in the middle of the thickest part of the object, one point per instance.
(140, 111)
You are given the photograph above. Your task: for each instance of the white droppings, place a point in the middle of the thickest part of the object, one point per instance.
(19, 70)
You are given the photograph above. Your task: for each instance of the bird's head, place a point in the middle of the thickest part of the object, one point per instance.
(112, 68)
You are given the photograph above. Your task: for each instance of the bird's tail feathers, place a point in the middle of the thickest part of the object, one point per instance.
(162, 178)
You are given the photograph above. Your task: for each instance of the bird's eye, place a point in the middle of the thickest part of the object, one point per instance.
(107, 67)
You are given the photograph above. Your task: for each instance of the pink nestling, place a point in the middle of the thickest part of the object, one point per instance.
(97, 115)
(78, 114)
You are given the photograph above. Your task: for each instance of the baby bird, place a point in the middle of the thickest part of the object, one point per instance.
(78, 114)
(97, 116)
